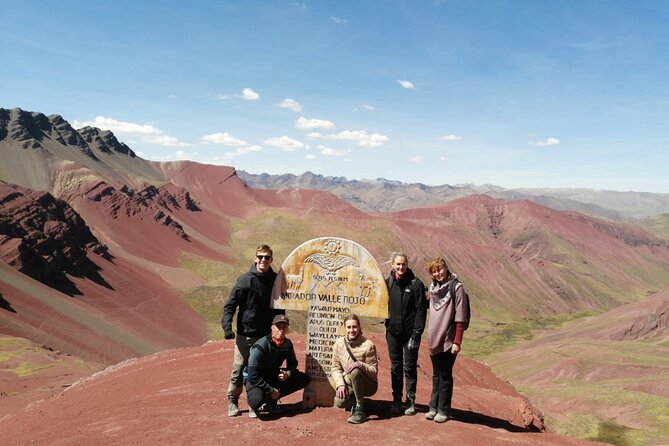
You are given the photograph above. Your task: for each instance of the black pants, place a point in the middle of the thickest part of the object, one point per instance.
(403, 364)
(442, 382)
(257, 397)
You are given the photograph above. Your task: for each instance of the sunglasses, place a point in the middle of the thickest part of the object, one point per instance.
(261, 257)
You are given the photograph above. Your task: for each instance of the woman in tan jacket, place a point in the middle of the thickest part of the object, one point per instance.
(354, 369)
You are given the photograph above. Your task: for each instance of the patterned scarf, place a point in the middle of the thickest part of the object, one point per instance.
(439, 295)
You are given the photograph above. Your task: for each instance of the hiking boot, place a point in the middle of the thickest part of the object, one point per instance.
(233, 408)
(410, 410)
(441, 417)
(273, 407)
(431, 414)
(358, 416)
(396, 408)
(252, 413)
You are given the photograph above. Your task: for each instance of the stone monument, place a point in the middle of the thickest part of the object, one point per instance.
(328, 278)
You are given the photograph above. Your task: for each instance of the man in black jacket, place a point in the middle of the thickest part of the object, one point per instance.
(251, 295)
(268, 381)
(404, 328)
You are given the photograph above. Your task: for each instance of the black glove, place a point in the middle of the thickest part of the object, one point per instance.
(230, 334)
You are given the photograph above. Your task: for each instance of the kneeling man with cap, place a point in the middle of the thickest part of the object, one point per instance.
(267, 380)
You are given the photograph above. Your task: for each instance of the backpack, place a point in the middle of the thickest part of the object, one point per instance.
(468, 312)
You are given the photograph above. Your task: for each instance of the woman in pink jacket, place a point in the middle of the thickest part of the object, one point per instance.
(449, 316)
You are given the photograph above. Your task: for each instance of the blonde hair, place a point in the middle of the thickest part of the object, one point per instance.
(353, 317)
(397, 254)
(264, 248)
(436, 264)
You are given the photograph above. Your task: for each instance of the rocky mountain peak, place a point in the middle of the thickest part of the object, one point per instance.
(65, 134)
(29, 128)
(105, 141)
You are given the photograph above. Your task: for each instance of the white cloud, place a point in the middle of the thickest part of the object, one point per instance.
(407, 84)
(164, 140)
(239, 152)
(547, 142)
(329, 151)
(285, 143)
(225, 139)
(314, 135)
(367, 107)
(442, 158)
(146, 133)
(171, 96)
(450, 137)
(339, 20)
(250, 95)
(306, 124)
(290, 104)
(363, 138)
(310, 156)
(181, 155)
(416, 160)
(222, 97)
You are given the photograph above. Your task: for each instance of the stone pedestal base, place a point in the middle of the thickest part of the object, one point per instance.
(318, 393)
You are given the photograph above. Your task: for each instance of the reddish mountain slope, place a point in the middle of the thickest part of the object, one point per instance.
(45, 238)
(612, 367)
(156, 400)
(135, 314)
(522, 259)
(120, 311)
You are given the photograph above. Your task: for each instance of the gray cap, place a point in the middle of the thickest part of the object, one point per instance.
(280, 318)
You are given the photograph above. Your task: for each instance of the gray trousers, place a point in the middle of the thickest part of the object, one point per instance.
(240, 361)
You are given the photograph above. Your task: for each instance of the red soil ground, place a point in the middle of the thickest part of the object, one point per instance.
(177, 397)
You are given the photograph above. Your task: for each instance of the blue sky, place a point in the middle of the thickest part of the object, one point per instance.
(534, 93)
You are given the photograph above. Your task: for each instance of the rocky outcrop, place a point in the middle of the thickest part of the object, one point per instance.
(105, 141)
(64, 133)
(27, 128)
(156, 202)
(30, 129)
(46, 239)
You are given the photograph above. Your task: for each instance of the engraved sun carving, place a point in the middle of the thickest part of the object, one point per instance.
(332, 247)
(331, 260)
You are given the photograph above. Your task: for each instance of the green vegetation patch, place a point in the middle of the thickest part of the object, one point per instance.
(507, 335)
(212, 271)
(208, 302)
(610, 432)
(26, 368)
(12, 347)
(657, 225)
(603, 380)
(591, 426)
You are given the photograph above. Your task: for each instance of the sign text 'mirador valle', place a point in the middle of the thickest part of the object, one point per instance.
(328, 278)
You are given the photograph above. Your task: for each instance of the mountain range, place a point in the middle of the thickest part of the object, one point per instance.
(382, 195)
(106, 256)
